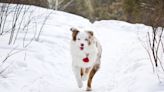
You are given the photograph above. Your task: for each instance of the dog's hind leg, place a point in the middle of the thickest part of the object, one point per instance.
(91, 75)
(77, 72)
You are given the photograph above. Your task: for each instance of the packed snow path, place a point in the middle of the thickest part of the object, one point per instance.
(45, 65)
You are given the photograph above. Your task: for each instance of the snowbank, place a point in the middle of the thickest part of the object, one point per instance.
(45, 65)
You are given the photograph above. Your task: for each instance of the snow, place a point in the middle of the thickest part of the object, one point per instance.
(45, 65)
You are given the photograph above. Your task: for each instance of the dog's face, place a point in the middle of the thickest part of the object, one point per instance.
(82, 38)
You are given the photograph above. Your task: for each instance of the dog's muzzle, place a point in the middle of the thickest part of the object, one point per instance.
(81, 48)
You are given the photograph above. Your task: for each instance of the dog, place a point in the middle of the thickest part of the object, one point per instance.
(86, 54)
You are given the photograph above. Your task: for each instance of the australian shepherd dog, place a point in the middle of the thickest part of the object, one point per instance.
(86, 53)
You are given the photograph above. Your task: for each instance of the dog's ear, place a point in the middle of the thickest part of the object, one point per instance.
(90, 32)
(73, 29)
(74, 33)
(91, 37)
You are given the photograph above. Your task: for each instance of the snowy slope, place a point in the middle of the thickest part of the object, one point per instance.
(45, 65)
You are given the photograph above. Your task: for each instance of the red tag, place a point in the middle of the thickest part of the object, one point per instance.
(86, 59)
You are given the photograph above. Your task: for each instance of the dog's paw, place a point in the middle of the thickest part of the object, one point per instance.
(89, 89)
(84, 77)
(80, 84)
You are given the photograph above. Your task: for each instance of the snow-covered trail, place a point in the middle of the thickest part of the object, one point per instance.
(123, 55)
(118, 59)
(125, 63)
(45, 65)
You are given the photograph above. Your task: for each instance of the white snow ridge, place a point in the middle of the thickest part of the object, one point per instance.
(45, 65)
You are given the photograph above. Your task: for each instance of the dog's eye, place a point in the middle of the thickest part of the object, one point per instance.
(86, 39)
(78, 39)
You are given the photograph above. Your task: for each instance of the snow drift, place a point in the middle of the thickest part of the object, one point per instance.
(45, 65)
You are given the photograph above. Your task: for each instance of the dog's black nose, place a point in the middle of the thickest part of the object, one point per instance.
(82, 44)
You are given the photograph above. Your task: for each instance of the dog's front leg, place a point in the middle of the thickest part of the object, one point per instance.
(77, 72)
(85, 75)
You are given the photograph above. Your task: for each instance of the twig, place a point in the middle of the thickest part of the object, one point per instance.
(8, 55)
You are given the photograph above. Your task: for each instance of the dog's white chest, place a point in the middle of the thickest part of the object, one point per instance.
(84, 58)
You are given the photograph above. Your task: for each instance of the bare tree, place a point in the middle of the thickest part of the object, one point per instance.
(10, 54)
(66, 5)
(89, 5)
(4, 11)
(16, 19)
(60, 4)
(155, 37)
(18, 9)
(56, 4)
(43, 24)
